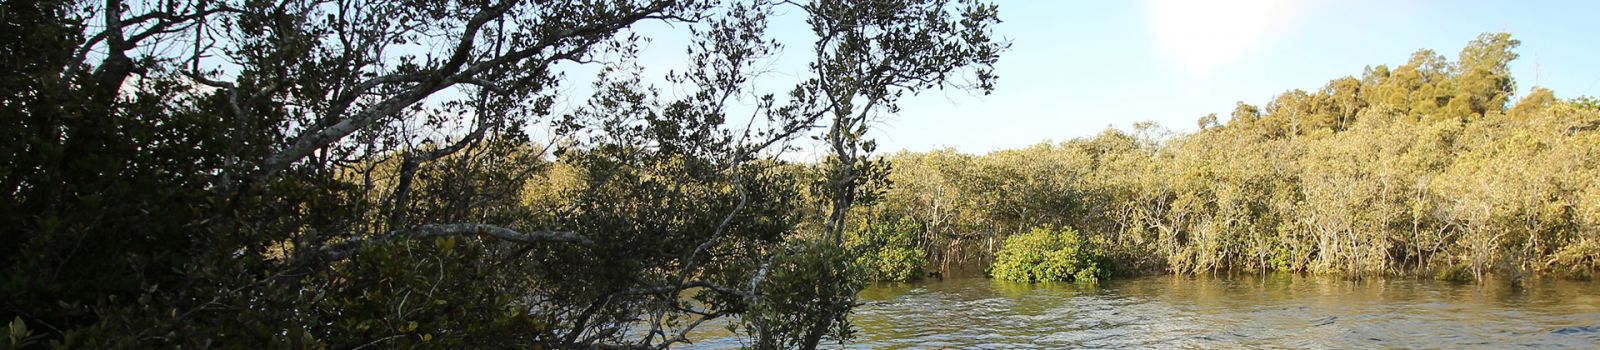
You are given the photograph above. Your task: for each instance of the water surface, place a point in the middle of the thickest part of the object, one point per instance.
(1282, 311)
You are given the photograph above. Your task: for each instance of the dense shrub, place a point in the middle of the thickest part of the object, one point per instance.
(1578, 260)
(889, 252)
(809, 284)
(1046, 254)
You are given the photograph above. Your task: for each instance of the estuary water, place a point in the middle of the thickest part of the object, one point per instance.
(1278, 311)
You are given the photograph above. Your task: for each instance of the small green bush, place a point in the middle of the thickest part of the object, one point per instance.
(897, 264)
(889, 252)
(1045, 255)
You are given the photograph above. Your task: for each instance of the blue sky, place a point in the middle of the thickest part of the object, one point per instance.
(1078, 67)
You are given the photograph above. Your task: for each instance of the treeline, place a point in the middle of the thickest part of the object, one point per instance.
(1422, 168)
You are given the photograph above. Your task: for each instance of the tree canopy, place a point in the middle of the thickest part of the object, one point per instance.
(1431, 167)
(342, 174)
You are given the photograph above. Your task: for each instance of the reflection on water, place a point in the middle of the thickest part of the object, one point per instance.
(1233, 312)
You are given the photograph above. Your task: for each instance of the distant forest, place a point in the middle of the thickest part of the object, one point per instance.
(1428, 168)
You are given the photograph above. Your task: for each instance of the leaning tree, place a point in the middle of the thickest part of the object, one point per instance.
(350, 173)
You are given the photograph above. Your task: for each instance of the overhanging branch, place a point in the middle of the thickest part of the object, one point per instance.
(342, 250)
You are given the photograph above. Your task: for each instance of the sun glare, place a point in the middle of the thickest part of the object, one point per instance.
(1202, 37)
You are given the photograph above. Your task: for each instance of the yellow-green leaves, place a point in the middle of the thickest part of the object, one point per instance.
(1047, 255)
(1419, 168)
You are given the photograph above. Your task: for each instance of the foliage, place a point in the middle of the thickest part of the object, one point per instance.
(1048, 255)
(18, 336)
(888, 251)
(1578, 260)
(795, 308)
(364, 173)
(1431, 167)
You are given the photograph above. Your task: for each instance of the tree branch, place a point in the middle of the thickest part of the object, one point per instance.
(342, 250)
(452, 73)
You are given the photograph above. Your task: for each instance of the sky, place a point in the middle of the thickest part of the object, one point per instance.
(1078, 67)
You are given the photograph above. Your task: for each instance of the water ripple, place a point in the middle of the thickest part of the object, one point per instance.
(1238, 312)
